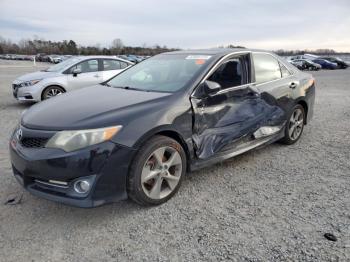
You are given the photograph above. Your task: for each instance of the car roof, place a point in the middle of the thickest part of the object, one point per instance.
(216, 51)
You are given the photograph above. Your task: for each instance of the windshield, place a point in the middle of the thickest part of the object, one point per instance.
(162, 73)
(59, 67)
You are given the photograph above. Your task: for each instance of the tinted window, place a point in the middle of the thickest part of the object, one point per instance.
(228, 74)
(87, 66)
(266, 68)
(284, 71)
(109, 64)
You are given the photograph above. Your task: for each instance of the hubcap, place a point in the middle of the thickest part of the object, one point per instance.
(296, 123)
(53, 92)
(161, 172)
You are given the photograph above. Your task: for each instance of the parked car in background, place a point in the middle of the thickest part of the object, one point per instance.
(325, 63)
(55, 59)
(123, 57)
(341, 64)
(30, 57)
(133, 58)
(304, 56)
(305, 64)
(137, 134)
(71, 74)
(41, 57)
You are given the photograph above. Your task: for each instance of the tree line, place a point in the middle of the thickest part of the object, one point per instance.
(70, 47)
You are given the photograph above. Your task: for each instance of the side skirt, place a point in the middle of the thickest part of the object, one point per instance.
(201, 163)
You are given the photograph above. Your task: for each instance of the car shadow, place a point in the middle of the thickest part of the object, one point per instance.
(19, 105)
(97, 215)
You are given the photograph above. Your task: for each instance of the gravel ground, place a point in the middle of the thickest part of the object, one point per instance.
(271, 204)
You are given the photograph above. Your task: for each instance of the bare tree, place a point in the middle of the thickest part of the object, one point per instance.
(117, 46)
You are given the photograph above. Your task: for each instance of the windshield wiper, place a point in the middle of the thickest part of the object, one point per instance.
(131, 88)
(106, 84)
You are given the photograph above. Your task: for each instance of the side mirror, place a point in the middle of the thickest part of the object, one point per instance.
(76, 71)
(207, 88)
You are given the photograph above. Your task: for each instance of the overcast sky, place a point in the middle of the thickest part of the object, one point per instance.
(267, 24)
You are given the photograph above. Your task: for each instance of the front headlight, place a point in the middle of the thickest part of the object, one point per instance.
(29, 83)
(77, 139)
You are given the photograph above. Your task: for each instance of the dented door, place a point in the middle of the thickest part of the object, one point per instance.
(238, 117)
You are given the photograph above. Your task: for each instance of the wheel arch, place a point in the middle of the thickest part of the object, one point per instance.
(170, 132)
(51, 85)
(305, 107)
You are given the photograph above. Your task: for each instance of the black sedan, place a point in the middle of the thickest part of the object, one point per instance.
(138, 134)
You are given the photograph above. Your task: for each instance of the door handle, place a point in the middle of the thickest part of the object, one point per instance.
(96, 76)
(293, 85)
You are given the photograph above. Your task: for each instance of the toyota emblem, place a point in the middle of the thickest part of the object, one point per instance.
(19, 134)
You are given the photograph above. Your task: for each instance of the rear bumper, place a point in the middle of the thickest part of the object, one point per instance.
(38, 171)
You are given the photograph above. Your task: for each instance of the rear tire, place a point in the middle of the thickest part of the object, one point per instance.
(52, 91)
(294, 126)
(157, 171)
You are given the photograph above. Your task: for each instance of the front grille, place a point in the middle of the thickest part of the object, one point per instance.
(33, 142)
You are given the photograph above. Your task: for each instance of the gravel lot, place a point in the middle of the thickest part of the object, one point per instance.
(271, 204)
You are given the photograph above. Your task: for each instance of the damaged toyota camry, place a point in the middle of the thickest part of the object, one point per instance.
(137, 134)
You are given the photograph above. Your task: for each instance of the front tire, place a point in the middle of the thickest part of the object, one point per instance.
(295, 125)
(52, 91)
(157, 171)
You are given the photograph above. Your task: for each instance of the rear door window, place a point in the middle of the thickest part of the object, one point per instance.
(109, 64)
(266, 68)
(123, 65)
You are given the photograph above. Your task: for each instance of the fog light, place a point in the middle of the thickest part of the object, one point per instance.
(82, 186)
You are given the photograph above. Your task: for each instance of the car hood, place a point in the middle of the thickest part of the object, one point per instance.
(37, 75)
(91, 107)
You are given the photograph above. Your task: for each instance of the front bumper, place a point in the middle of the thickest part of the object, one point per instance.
(40, 169)
(27, 93)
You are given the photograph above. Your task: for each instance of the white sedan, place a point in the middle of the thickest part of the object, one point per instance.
(74, 73)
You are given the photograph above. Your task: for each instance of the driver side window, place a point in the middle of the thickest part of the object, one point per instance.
(86, 66)
(229, 74)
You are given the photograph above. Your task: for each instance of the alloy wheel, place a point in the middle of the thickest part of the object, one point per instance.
(53, 92)
(161, 173)
(296, 124)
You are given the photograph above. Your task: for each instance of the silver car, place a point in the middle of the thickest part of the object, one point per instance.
(71, 74)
